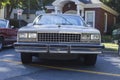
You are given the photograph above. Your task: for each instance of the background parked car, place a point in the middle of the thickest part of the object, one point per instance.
(8, 35)
(116, 38)
(116, 35)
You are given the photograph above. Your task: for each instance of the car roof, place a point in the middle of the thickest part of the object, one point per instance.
(62, 14)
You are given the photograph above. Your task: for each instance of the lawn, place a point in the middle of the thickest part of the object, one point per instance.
(110, 46)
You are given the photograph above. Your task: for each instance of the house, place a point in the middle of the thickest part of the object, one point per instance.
(95, 13)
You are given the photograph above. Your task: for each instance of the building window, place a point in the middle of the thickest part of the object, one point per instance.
(105, 22)
(90, 18)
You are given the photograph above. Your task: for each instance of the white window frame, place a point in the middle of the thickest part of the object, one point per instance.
(93, 12)
(106, 22)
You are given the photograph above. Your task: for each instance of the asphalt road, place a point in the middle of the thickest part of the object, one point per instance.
(11, 68)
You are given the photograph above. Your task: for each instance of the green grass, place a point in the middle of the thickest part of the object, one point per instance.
(110, 46)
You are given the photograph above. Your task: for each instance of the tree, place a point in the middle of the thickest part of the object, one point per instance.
(10, 5)
(13, 4)
(43, 3)
(23, 4)
(115, 4)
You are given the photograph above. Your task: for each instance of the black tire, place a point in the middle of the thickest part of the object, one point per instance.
(1, 43)
(26, 58)
(90, 59)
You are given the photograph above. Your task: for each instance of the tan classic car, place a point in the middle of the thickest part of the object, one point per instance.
(57, 36)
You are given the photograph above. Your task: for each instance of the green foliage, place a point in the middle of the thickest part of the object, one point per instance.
(106, 38)
(116, 31)
(115, 4)
(24, 4)
(9, 2)
(45, 2)
(10, 5)
(42, 3)
(116, 26)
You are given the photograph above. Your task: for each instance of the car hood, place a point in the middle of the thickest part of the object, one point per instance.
(58, 29)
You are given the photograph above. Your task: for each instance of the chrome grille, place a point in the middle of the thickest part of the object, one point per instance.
(58, 37)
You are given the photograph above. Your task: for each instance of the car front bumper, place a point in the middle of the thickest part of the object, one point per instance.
(58, 48)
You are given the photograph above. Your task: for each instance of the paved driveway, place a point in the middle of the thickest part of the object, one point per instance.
(11, 68)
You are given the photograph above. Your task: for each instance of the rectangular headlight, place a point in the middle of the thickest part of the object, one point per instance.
(90, 37)
(95, 37)
(86, 37)
(32, 35)
(22, 35)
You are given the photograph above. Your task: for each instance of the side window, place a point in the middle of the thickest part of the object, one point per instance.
(90, 18)
(3, 24)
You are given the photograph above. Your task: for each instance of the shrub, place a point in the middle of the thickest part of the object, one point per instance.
(116, 26)
(106, 38)
(110, 30)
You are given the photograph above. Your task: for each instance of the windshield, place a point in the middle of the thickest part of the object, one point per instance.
(59, 20)
(3, 23)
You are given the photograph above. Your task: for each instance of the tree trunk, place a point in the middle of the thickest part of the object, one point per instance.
(8, 11)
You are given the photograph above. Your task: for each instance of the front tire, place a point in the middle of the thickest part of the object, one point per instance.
(90, 59)
(26, 58)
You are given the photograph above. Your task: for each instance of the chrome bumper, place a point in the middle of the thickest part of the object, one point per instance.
(58, 48)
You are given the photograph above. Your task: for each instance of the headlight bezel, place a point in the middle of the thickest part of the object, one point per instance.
(95, 37)
(22, 35)
(32, 35)
(29, 36)
(90, 37)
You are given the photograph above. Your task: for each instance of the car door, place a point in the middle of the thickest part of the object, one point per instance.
(11, 35)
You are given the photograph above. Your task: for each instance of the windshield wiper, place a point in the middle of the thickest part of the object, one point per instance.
(66, 24)
(38, 24)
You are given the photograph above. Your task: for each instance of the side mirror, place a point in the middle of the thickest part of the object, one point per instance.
(29, 24)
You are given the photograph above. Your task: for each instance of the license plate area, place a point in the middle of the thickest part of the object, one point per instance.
(58, 49)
